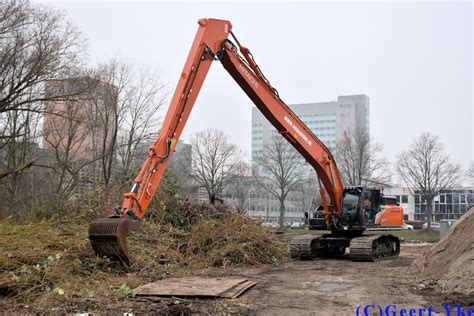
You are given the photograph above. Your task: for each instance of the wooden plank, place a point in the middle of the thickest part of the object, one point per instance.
(196, 287)
(237, 290)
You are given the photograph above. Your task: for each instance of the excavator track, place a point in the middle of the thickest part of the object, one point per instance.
(108, 237)
(374, 247)
(363, 248)
(304, 247)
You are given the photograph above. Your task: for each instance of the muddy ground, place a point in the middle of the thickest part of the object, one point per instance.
(318, 287)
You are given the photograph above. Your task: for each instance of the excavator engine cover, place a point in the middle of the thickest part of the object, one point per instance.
(108, 237)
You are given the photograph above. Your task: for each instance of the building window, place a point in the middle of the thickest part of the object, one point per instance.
(449, 198)
(405, 199)
(417, 198)
(462, 198)
(456, 208)
(455, 198)
(442, 199)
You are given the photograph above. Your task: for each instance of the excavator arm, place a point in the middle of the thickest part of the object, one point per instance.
(211, 43)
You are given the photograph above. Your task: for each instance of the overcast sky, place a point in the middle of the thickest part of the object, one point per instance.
(414, 60)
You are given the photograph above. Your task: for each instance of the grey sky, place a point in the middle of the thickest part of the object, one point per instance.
(414, 60)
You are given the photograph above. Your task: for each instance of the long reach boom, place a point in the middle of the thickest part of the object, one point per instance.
(211, 44)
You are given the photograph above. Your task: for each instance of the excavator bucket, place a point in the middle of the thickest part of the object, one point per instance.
(108, 237)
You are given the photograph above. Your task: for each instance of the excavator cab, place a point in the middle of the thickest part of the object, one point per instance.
(362, 208)
(352, 212)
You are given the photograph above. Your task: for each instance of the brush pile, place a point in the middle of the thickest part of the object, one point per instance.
(208, 236)
(52, 264)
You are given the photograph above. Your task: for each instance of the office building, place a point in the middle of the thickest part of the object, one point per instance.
(330, 122)
(449, 204)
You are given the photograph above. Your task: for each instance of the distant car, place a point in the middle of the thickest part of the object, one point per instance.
(297, 225)
(407, 226)
(434, 225)
(275, 225)
(267, 224)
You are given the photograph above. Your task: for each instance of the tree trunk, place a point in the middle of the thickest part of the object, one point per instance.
(429, 211)
(282, 214)
(212, 198)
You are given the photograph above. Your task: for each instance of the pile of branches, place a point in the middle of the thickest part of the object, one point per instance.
(182, 213)
(200, 234)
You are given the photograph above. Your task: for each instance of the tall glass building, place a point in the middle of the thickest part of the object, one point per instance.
(329, 121)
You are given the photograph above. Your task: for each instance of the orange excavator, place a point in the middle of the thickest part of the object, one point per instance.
(348, 213)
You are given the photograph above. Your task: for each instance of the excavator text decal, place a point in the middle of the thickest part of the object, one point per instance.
(298, 131)
(248, 75)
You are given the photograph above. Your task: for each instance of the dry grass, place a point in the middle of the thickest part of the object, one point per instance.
(50, 266)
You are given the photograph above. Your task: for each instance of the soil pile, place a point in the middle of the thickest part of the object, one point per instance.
(449, 265)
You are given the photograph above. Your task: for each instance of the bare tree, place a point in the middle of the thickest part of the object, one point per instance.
(240, 185)
(13, 16)
(16, 127)
(124, 116)
(16, 155)
(309, 192)
(279, 170)
(359, 162)
(181, 167)
(67, 137)
(470, 173)
(106, 114)
(425, 168)
(140, 124)
(36, 45)
(214, 161)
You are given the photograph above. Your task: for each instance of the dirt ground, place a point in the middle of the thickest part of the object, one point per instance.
(320, 287)
(333, 287)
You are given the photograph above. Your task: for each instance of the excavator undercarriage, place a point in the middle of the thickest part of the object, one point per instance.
(362, 248)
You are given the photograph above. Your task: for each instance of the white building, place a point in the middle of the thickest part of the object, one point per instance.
(329, 121)
(449, 204)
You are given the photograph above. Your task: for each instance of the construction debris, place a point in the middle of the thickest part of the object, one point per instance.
(449, 265)
(193, 287)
